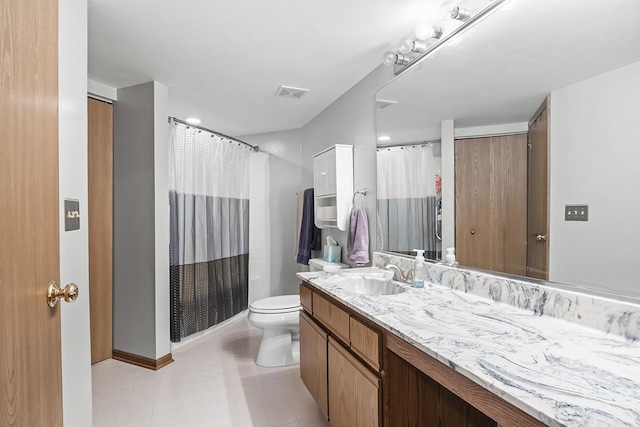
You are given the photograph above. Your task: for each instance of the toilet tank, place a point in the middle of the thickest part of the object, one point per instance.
(318, 264)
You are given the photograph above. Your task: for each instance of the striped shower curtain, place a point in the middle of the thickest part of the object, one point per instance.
(209, 248)
(407, 197)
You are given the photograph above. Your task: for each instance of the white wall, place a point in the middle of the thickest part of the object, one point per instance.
(161, 201)
(594, 161)
(284, 181)
(74, 245)
(351, 119)
(259, 232)
(448, 185)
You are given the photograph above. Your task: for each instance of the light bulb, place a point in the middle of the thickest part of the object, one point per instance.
(389, 58)
(446, 7)
(193, 121)
(425, 31)
(460, 14)
(406, 46)
(402, 59)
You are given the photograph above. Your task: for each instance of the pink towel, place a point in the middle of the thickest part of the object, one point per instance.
(358, 242)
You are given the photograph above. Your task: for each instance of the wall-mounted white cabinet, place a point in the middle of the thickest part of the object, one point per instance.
(333, 186)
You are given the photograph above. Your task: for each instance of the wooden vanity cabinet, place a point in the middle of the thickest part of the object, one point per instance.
(340, 361)
(362, 376)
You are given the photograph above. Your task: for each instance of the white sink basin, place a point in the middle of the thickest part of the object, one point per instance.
(368, 285)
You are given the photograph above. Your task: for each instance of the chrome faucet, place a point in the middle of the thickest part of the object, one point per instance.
(408, 278)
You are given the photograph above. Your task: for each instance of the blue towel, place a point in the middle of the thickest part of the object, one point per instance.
(309, 233)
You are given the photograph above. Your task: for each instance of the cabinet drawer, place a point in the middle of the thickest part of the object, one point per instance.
(306, 301)
(365, 342)
(334, 318)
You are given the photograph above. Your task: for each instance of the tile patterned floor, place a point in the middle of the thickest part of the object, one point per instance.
(212, 382)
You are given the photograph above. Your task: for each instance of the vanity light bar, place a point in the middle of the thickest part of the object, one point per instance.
(469, 20)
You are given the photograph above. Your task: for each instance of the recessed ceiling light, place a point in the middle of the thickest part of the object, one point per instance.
(384, 138)
(193, 121)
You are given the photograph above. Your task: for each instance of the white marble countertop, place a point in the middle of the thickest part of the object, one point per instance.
(559, 372)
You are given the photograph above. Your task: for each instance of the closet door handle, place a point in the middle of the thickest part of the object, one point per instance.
(541, 237)
(473, 231)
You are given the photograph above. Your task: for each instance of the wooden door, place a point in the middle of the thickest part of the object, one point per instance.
(100, 172)
(491, 203)
(354, 392)
(30, 358)
(313, 361)
(538, 195)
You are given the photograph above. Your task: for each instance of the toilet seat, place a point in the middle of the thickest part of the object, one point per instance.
(276, 305)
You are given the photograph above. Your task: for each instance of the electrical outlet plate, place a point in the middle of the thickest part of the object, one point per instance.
(576, 212)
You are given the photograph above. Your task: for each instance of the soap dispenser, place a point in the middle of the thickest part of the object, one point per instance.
(450, 258)
(420, 271)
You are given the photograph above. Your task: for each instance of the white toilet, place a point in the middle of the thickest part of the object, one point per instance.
(280, 324)
(278, 317)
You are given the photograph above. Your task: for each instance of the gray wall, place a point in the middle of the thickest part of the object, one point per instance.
(348, 120)
(284, 163)
(351, 119)
(133, 222)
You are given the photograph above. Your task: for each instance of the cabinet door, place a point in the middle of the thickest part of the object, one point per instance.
(324, 173)
(313, 361)
(354, 392)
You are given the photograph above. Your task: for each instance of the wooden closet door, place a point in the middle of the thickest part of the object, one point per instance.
(491, 203)
(100, 168)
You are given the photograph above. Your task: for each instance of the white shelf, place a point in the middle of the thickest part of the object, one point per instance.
(333, 185)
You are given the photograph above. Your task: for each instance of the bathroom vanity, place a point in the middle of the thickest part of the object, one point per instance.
(439, 356)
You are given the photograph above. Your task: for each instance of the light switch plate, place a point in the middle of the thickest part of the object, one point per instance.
(576, 212)
(71, 214)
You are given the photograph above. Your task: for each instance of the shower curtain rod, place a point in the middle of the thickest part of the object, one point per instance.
(407, 144)
(254, 147)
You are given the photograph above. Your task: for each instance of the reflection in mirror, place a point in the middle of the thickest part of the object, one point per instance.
(585, 59)
(409, 199)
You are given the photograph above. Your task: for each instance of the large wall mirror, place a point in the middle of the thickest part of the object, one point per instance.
(457, 130)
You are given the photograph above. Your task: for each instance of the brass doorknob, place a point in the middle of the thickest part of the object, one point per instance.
(54, 293)
(541, 237)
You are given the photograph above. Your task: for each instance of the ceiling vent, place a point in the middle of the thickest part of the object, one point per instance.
(291, 92)
(381, 104)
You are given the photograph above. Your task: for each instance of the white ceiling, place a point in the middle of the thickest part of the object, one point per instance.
(223, 60)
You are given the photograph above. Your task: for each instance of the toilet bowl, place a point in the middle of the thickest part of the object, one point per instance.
(280, 324)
